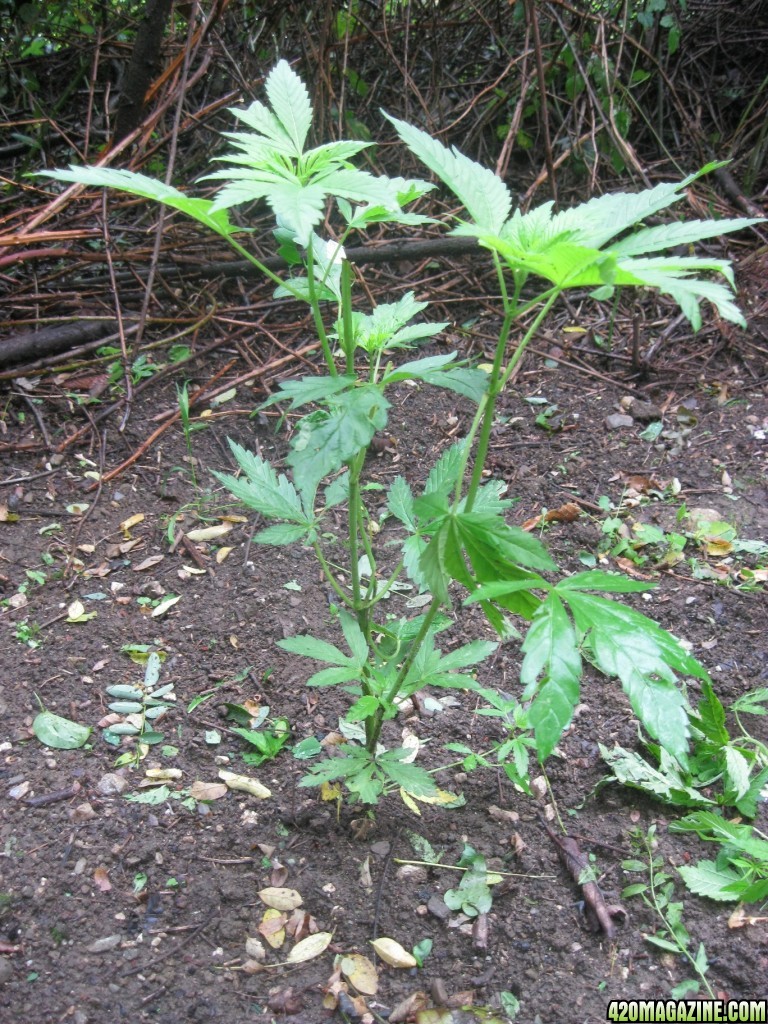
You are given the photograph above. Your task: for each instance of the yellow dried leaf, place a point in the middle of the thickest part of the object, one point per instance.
(210, 532)
(222, 553)
(280, 898)
(330, 791)
(272, 927)
(310, 947)
(392, 953)
(361, 973)
(244, 784)
(409, 802)
(131, 521)
(163, 774)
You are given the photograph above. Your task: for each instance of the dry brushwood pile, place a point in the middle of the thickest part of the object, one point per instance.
(159, 858)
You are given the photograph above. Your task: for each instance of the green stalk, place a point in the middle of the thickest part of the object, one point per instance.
(497, 384)
(329, 575)
(348, 339)
(372, 734)
(317, 315)
(353, 516)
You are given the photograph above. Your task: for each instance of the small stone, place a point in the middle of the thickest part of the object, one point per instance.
(106, 944)
(644, 411)
(411, 873)
(437, 907)
(111, 784)
(83, 812)
(617, 420)
(6, 970)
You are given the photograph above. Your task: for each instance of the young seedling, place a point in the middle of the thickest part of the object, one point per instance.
(182, 397)
(452, 528)
(658, 895)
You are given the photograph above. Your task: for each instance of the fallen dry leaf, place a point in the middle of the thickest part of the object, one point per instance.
(392, 953)
(272, 927)
(280, 898)
(148, 563)
(361, 973)
(204, 791)
(164, 774)
(409, 1008)
(255, 948)
(210, 532)
(101, 878)
(310, 947)
(244, 784)
(739, 918)
(567, 513)
(130, 522)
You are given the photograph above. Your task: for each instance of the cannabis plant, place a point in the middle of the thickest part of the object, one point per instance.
(451, 529)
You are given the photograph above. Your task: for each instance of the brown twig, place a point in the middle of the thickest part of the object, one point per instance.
(599, 914)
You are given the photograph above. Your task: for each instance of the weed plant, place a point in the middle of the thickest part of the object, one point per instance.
(452, 528)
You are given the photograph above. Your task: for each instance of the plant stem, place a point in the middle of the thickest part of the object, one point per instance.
(348, 338)
(353, 517)
(316, 314)
(377, 720)
(499, 379)
(668, 925)
(329, 575)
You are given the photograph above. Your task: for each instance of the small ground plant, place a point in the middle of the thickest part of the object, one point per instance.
(451, 529)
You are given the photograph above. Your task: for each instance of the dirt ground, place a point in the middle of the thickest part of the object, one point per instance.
(113, 909)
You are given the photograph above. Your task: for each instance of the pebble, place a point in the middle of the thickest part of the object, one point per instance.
(111, 784)
(617, 420)
(6, 970)
(437, 907)
(104, 945)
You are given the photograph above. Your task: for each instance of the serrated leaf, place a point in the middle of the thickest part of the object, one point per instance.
(400, 502)
(354, 636)
(668, 784)
(644, 657)
(282, 534)
(325, 442)
(290, 101)
(661, 943)
(311, 647)
(737, 772)
(484, 195)
(309, 389)
(444, 474)
(707, 879)
(607, 582)
(202, 210)
(551, 673)
(272, 495)
(153, 797)
(633, 890)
